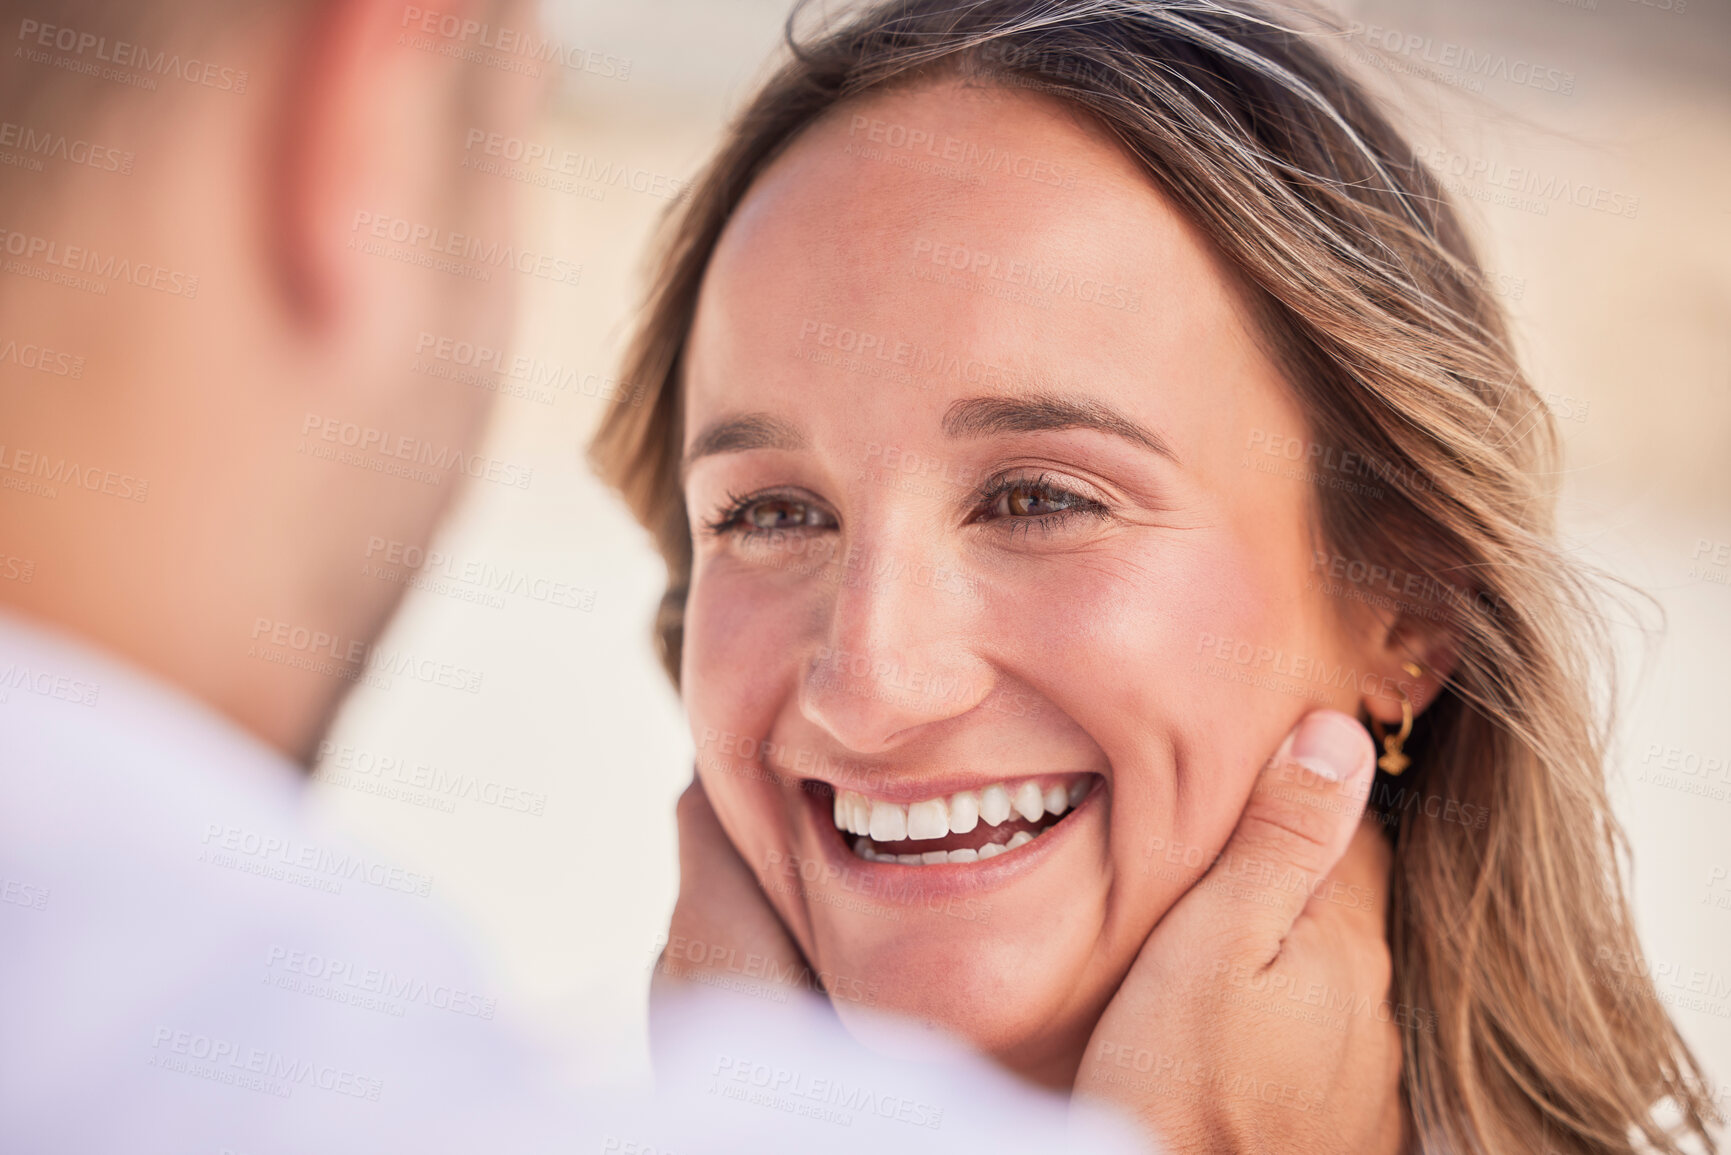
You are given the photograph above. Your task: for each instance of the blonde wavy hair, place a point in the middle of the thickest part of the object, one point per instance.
(1367, 290)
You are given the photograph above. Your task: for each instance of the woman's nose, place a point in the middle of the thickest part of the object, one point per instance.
(899, 651)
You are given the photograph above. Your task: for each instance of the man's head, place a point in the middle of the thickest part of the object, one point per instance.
(230, 228)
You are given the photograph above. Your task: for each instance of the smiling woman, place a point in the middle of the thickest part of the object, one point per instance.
(1052, 403)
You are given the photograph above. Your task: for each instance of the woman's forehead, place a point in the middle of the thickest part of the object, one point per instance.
(881, 172)
(846, 269)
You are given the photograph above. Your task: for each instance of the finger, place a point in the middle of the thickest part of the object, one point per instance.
(1302, 812)
(724, 940)
(1355, 893)
(706, 856)
(1340, 941)
(722, 921)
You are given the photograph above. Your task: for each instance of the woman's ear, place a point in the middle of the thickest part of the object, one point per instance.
(1406, 645)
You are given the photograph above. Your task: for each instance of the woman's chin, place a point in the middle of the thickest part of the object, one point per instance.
(1010, 955)
(903, 1011)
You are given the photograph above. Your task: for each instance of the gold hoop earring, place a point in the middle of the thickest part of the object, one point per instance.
(1393, 761)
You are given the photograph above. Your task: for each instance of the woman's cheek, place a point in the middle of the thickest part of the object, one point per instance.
(1129, 639)
(740, 638)
(1131, 660)
(740, 668)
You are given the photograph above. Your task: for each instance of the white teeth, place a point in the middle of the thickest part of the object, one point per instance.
(964, 812)
(889, 822)
(1028, 801)
(1021, 838)
(875, 821)
(929, 858)
(929, 819)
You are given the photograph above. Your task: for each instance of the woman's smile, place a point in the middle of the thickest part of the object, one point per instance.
(963, 827)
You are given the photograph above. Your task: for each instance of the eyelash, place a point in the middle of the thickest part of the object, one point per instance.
(1078, 505)
(731, 519)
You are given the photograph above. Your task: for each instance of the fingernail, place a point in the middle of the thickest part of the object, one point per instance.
(1329, 744)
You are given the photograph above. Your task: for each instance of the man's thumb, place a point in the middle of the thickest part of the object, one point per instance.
(1301, 815)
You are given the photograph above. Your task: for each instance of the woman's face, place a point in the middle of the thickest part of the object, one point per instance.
(1000, 538)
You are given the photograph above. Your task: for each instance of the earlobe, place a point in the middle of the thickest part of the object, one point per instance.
(336, 139)
(1415, 689)
(302, 243)
(1393, 758)
(1415, 669)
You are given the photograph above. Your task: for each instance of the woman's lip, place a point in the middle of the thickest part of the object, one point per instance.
(887, 879)
(905, 793)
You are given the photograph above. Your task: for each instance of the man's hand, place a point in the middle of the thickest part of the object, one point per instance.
(1256, 1017)
(724, 933)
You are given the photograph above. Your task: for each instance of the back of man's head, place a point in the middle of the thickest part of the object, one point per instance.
(230, 225)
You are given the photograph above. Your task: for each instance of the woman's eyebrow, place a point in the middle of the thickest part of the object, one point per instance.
(1038, 412)
(740, 433)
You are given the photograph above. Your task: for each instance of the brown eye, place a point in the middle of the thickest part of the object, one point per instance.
(1020, 505)
(1030, 500)
(770, 513)
(783, 513)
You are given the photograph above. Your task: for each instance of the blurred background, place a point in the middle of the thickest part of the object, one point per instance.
(557, 843)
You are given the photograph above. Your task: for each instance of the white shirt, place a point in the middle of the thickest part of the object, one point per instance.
(189, 962)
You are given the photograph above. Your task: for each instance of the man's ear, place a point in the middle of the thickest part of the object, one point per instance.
(1406, 642)
(362, 133)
